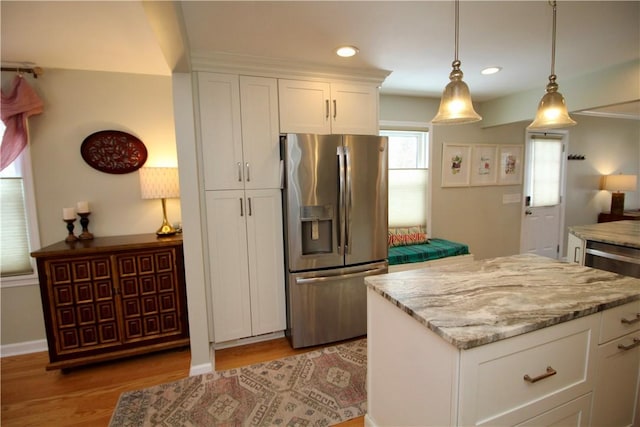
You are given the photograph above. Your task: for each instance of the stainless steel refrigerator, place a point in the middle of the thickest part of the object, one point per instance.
(335, 210)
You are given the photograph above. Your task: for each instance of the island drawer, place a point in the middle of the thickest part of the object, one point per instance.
(619, 321)
(515, 379)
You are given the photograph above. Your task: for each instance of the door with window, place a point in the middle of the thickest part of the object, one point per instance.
(543, 210)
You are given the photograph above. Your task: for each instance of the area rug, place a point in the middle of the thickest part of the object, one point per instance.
(318, 388)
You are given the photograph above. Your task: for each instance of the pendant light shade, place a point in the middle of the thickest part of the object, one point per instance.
(552, 111)
(456, 106)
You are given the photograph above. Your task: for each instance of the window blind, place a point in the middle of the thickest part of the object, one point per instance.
(407, 197)
(14, 237)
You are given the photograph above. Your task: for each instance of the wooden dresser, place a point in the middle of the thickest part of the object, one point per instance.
(112, 297)
(626, 215)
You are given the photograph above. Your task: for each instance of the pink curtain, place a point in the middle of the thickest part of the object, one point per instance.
(21, 102)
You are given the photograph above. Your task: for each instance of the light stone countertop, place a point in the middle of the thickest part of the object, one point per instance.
(623, 233)
(478, 303)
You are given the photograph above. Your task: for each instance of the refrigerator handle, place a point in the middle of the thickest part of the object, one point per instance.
(348, 202)
(341, 212)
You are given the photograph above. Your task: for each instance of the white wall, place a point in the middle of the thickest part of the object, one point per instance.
(477, 216)
(76, 104)
(471, 215)
(610, 146)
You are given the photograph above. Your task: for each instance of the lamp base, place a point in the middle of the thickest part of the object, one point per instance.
(165, 229)
(617, 203)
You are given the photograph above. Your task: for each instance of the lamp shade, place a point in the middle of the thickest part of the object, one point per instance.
(619, 183)
(552, 112)
(159, 183)
(456, 106)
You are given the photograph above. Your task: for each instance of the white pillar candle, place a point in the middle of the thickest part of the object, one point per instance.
(83, 207)
(68, 213)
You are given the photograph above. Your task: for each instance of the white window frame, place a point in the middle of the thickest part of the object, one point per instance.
(26, 172)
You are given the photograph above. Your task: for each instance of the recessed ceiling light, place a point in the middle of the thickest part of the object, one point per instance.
(346, 51)
(490, 70)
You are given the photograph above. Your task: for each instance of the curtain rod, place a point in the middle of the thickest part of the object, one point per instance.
(36, 71)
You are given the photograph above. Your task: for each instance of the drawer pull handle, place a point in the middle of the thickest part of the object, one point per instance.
(636, 342)
(550, 372)
(631, 321)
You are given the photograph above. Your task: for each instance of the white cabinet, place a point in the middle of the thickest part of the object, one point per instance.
(240, 148)
(246, 262)
(618, 360)
(325, 108)
(239, 131)
(575, 249)
(581, 372)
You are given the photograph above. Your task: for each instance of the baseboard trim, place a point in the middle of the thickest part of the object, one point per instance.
(23, 348)
(205, 368)
(249, 340)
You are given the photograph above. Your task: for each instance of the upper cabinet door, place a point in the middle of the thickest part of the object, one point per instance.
(325, 108)
(305, 107)
(260, 132)
(354, 109)
(221, 131)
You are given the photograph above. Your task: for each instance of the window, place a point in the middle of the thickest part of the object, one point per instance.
(545, 160)
(18, 229)
(408, 173)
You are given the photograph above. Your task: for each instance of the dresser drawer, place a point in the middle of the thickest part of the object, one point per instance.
(515, 379)
(619, 321)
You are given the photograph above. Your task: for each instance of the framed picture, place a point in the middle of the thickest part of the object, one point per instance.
(510, 165)
(456, 163)
(484, 164)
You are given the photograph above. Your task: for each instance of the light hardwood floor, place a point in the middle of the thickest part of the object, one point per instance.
(87, 396)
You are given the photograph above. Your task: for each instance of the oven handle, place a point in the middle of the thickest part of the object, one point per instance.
(616, 257)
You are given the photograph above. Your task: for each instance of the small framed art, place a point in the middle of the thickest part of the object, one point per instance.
(510, 165)
(484, 164)
(456, 164)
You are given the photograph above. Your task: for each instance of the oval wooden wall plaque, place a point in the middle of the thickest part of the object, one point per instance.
(113, 151)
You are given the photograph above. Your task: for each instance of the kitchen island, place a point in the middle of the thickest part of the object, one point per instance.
(511, 340)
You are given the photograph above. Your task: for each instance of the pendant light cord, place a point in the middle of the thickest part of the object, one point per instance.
(553, 39)
(457, 10)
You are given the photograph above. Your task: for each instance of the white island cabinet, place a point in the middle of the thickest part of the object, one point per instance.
(521, 340)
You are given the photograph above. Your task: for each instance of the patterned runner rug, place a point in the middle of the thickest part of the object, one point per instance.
(318, 388)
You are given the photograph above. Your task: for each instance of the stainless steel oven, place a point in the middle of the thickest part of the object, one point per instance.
(617, 259)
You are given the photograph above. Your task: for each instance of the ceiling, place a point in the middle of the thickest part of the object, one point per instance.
(413, 40)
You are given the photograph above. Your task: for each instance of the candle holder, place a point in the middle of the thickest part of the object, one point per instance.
(84, 222)
(70, 237)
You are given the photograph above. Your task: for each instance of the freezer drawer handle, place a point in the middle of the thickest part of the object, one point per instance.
(550, 371)
(309, 280)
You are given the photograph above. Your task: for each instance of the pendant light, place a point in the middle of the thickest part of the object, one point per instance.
(552, 110)
(456, 106)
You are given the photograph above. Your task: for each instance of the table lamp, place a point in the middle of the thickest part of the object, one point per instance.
(160, 183)
(618, 184)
